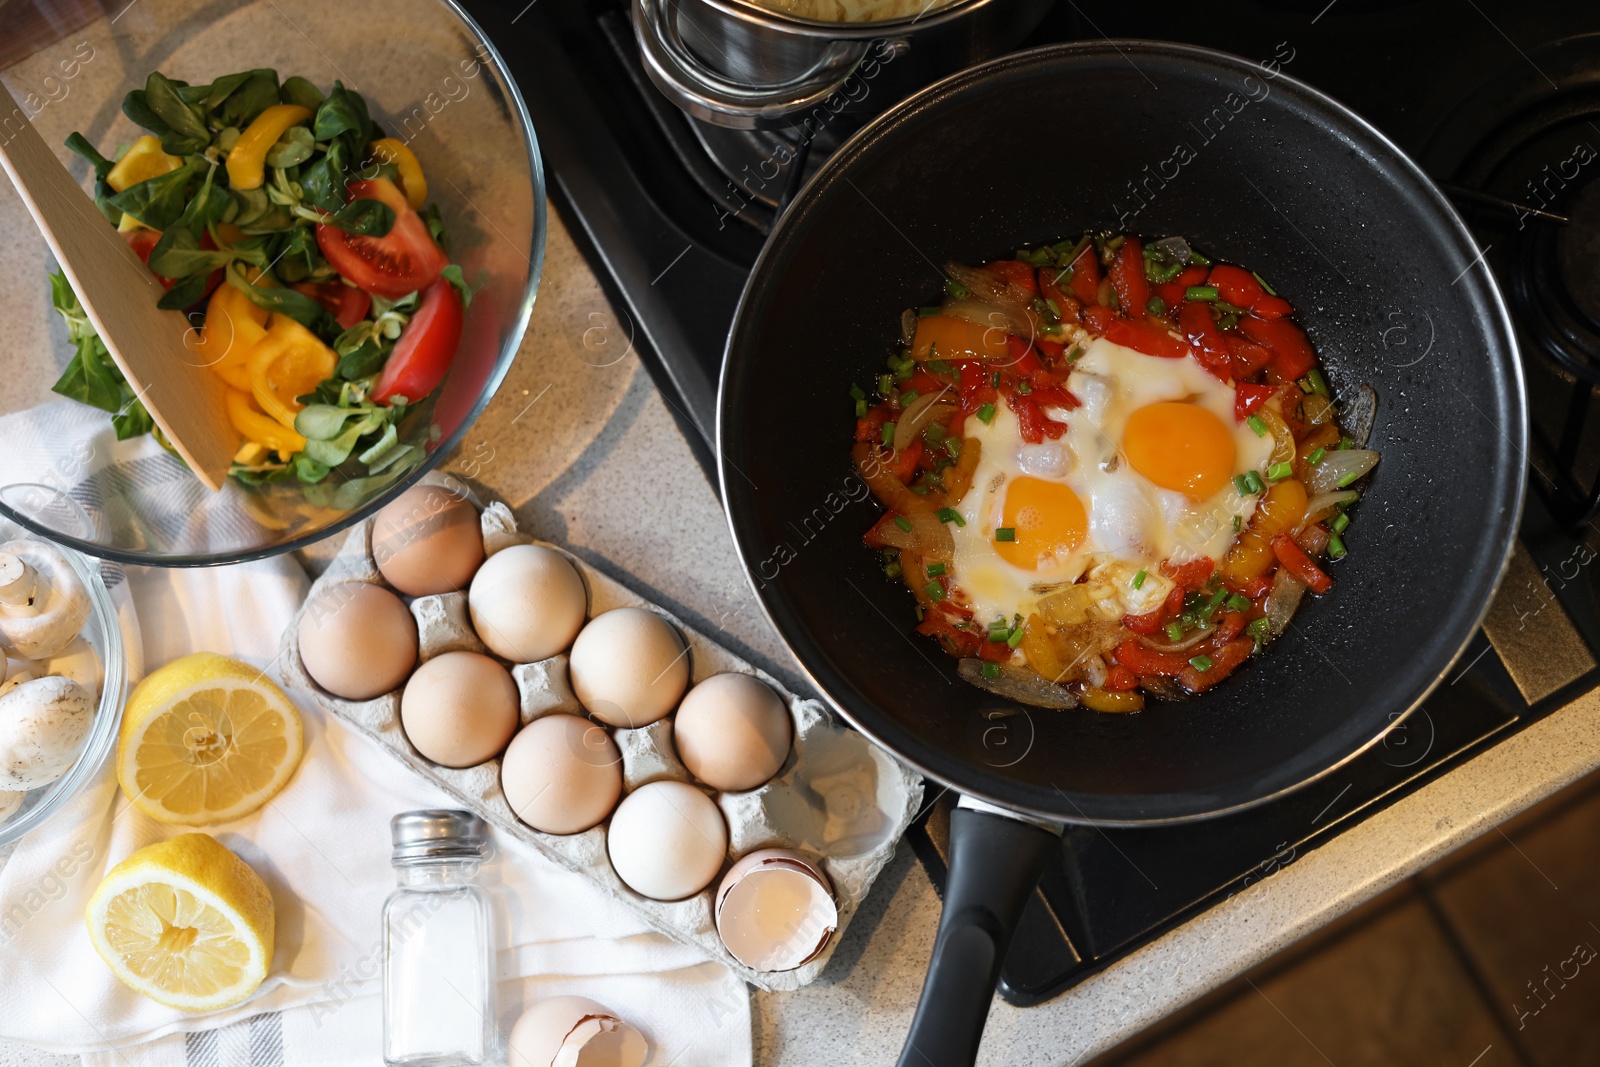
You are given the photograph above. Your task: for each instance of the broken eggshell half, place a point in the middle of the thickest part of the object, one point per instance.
(776, 910)
(574, 1032)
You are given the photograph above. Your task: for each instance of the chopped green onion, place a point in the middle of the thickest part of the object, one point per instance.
(1305, 386)
(1340, 523)
(1227, 322)
(991, 670)
(1201, 663)
(1348, 480)
(939, 366)
(1258, 424)
(1316, 455)
(1247, 483)
(855, 391)
(934, 590)
(994, 380)
(1174, 631)
(934, 432)
(885, 384)
(999, 630)
(1015, 639)
(1319, 384)
(918, 608)
(903, 374)
(1227, 308)
(956, 289)
(920, 490)
(1236, 602)
(892, 570)
(1196, 258)
(1254, 478)
(1156, 306)
(952, 445)
(1279, 471)
(1138, 580)
(1270, 290)
(1055, 308)
(1212, 604)
(1202, 293)
(888, 433)
(928, 312)
(1345, 442)
(1005, 533)
(1076, 353)
(1260, 631)
(1336, 549)
(907, 397)
(951, 515)
(935, 569)
(1238, 524)
(861, 409)
(986, 413)
(1024, 387)
(903, 522)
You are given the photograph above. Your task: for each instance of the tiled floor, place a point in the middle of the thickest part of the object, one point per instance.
(1490, 958)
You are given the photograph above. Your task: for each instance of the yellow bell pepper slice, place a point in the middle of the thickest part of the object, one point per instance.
(234, 324)
(254, 424)
(288, 362)
(412, 183)
(248, 160)
(143, 160)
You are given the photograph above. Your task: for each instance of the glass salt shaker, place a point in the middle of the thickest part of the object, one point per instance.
(438, 948)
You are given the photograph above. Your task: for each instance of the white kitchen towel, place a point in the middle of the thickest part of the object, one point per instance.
(322, 846)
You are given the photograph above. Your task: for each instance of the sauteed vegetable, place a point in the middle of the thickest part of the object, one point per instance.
(299, 240)
(1112, 469)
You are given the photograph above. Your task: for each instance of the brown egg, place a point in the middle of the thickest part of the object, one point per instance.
(459, 709)
(427, 541)
(732, 732)
(629, 666)
(562, 774)
(527, 603)
(358, 640)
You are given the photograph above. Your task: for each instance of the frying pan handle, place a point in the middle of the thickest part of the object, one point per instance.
(996, 860)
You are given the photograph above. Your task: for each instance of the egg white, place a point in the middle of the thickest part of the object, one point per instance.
(1133, 524)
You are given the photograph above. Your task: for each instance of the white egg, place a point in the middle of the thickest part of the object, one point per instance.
(667, 840)
(1129, 523)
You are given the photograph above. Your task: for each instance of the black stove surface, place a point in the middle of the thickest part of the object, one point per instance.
(1505, 112)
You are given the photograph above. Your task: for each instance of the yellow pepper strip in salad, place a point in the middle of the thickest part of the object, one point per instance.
(289, 362)
(234, 323)
(256, 426)
(412, 183)
(247, 161)
(143, 160)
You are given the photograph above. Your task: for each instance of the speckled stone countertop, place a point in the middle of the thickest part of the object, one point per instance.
(582, 446)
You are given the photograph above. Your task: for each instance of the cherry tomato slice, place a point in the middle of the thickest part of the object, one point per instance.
(405, 260)
(424, 351)
(347, 304)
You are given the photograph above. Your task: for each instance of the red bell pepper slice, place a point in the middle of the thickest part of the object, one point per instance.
(1148, 338)
(1293, 354)
(1086, 276)
(1148, 623)
(1224, 661)
(1231, 626)
(1015, 272)
(869, 428)
(1239, 287)
(1247, 398)
(1127, 277)
(1176, 291)
(1120, 679)
(1300, 565)
(1033, 423)
(1067, 304)
(1099, 319)
(937, 624)
(1191, 575)
(1245, 357)
(904, 463)
(1133, 655)
(1210, 350)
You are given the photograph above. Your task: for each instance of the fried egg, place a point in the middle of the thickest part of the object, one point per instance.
(1143, 474)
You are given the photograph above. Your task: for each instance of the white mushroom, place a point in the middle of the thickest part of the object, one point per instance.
(80, 662)
(43, 605)
(10, 801)
(18, 676)
(42, 726)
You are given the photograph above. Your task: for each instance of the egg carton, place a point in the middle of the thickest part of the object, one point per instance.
(837, 796)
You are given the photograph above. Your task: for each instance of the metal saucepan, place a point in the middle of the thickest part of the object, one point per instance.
(1251, 166)
(737, 64)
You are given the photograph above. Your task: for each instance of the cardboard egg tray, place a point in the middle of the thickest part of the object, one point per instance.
(836, 797)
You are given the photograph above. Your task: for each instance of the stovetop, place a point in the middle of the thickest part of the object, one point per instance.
(1505, 112)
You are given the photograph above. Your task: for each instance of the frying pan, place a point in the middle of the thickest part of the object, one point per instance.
(1250, 166)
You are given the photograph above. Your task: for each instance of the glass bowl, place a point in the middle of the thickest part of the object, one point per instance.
(430, 78)
(103, 632)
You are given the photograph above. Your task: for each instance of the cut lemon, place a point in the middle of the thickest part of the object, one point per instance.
(206, 739)
(185, 922)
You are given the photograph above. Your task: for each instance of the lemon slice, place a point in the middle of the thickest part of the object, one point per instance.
(206, 739)
(185, 922)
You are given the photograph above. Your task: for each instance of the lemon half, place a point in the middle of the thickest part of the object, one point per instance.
(206, 739)
(185, 922)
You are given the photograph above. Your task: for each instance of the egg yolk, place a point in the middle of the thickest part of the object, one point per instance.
(1047, 520)
(1180, 446)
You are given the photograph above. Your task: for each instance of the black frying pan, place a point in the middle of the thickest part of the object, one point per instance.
(1155, 139)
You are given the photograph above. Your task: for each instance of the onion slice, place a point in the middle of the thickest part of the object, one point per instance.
(1006, 297)
(1323, 505)
(1360, 411)
(1188, 642)
(1283, 600)
(1018, 683)
(1319, 409)
(1337, 465)
(923, 410)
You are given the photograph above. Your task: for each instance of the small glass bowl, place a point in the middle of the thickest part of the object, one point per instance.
(430, 77)
(104, 634)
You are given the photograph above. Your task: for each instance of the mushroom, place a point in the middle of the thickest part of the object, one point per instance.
(43, 605)
(26, 674)
(78, 661)
(10, 801)
(42, 726)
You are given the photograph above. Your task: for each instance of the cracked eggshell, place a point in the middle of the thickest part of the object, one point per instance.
(42, 727)
(667, 840)
(574, 1032)
(357, 640)
(733, 732)
(427, 541)
(527, 603)
(629, 667)
(561, 774)
(776, 910)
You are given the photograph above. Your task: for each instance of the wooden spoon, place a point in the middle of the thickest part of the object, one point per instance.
(119, 294)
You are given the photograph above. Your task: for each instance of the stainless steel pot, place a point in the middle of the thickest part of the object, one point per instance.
(738, 65)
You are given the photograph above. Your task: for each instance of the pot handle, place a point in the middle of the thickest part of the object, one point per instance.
(996, 859)
(705, 94)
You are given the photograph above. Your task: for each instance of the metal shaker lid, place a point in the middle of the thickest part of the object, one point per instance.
(438, 834)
